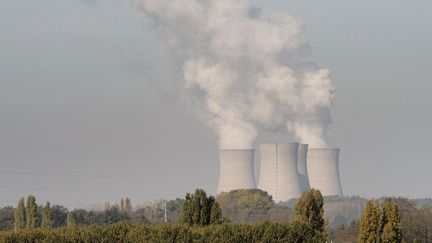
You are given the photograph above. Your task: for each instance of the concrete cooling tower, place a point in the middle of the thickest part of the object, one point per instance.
(323, 171)
(302, 167)
(236, 170)
(278, 173)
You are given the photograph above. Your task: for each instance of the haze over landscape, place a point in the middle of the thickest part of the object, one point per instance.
(90, 105)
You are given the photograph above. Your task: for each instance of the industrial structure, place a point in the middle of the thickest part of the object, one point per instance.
(278, 173)
(286, 170)
(302, 167)
(323, 170)
(236, 170)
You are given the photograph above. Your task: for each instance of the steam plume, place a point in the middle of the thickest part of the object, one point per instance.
(241, 70)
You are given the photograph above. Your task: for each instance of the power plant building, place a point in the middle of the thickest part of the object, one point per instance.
(323, 171)
(286, 170)
(302, 167)
(236, 170)
(278, 173)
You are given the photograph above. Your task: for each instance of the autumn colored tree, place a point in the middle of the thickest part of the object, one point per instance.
(391, 227)
(70, 221)
(47, 216)
(31, 212)
(20, 216)
(309, 209)
(370, 223)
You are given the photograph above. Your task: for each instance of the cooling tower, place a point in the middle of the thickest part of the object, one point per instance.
(278, 173)
(236, 170)
(323, 171)
(302, 167)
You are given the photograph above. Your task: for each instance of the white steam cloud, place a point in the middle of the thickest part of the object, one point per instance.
(241, 70)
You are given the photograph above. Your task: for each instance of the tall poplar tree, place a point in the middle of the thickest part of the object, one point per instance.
(206, 203)
(122, 205)
(391, 227)
(47, 216)
(186, 214)
(20, 215)
(216, 214)
(370, 223)
(127, 205)
(309, 209)
(196, 206)
(31, 212)
(70, 221)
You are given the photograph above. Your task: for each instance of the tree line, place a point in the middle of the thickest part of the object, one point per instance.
(380, 224)
(200, 211)
(415, 222)
(380, 221)
(26, 215)
(238, 206)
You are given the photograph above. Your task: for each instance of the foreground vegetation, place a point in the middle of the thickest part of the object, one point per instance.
(126, 232)
(201, 220)
(238, 212)
(239, 206)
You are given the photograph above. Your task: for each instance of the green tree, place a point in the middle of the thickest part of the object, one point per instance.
(309, 209)
(251, 205)
(112, 215)
(186, 213)
(369, 223)
(47, 216)
(20, 216)
(391, 227)
(59, 215)
(31, 212)
(127, 205)
(7, 218)
(246, 205)
(122, 205)
(197, 209)
(216, 214)
(205, 208)
(70, 221)
(196, 206)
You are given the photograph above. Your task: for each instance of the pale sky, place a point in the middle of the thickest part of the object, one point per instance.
(89, 111)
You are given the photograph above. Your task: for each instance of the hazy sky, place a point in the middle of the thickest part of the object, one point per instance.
(89, 110)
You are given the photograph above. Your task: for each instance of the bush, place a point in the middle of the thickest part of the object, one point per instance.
(126, 232)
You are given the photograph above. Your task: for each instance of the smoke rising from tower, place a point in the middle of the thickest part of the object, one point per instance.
(241, 69)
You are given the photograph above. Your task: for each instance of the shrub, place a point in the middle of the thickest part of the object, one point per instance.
(126, 232)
